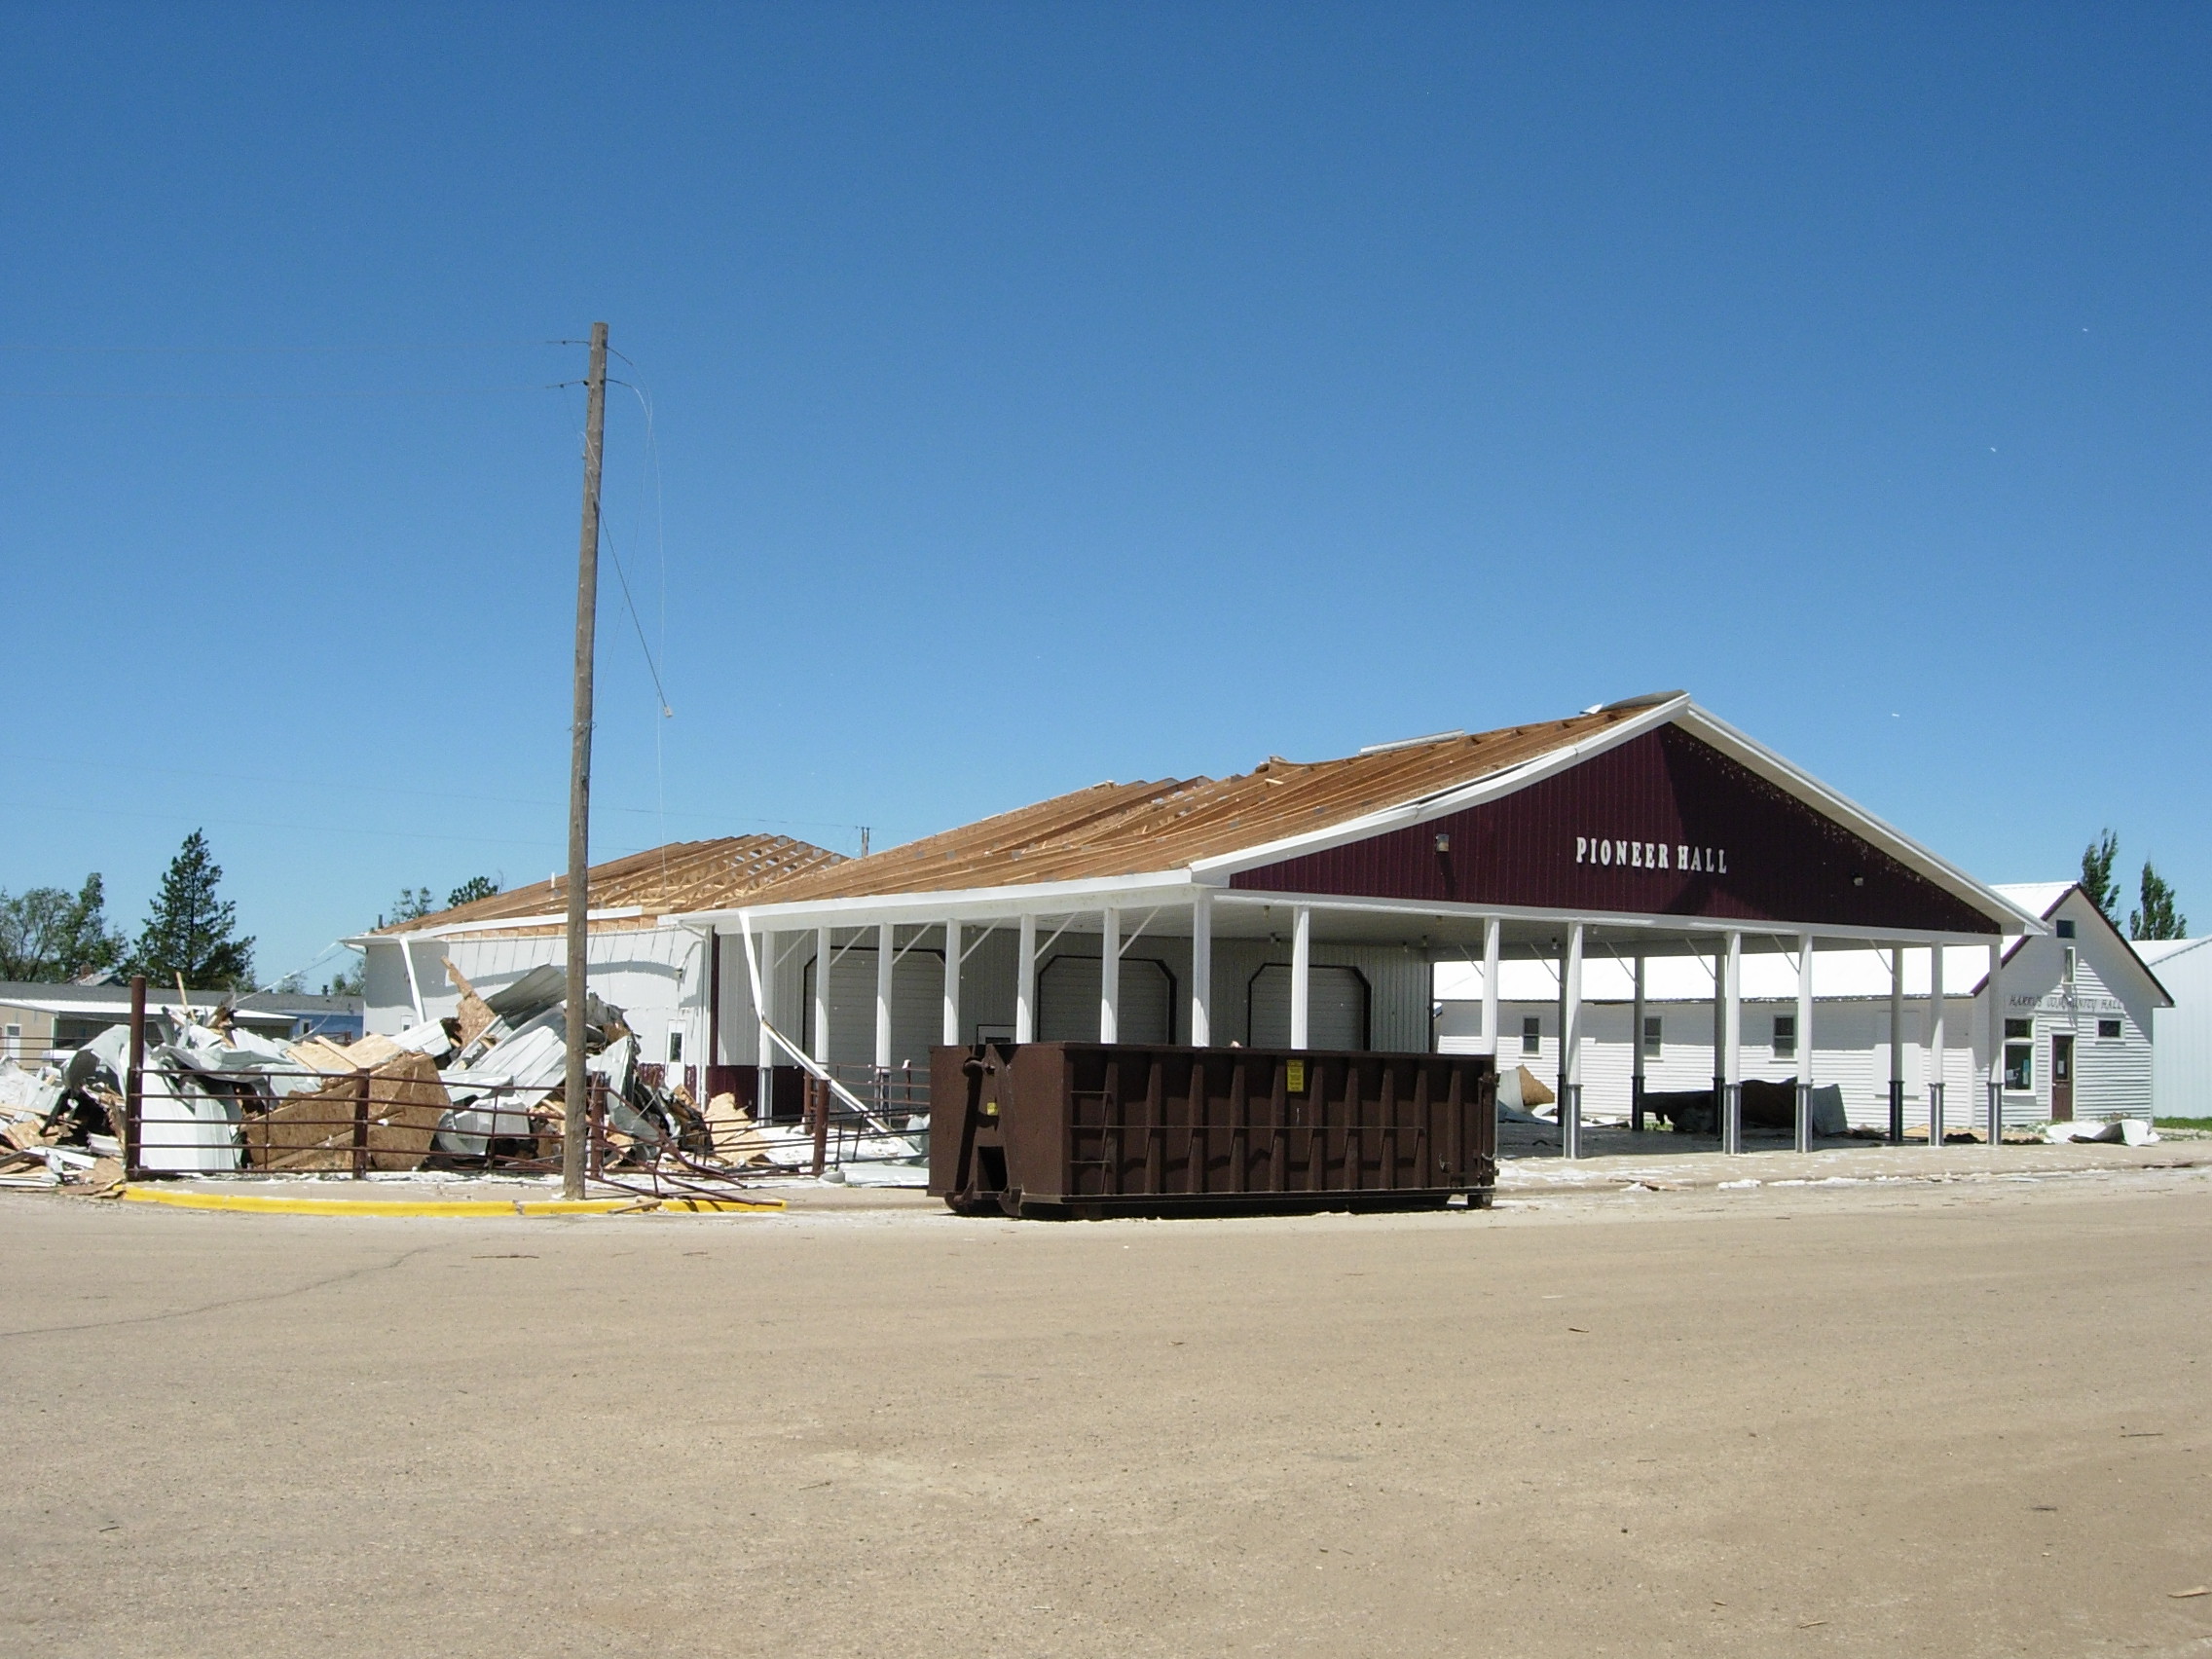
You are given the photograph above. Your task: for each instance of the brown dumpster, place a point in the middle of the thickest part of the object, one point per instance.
(1065, 1129)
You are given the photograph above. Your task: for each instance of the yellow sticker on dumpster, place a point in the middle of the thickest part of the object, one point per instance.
(1294, 1080)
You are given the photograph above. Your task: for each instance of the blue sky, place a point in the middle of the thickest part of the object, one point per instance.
(1045, 394)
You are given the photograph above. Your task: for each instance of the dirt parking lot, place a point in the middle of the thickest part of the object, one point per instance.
(1960, 1417)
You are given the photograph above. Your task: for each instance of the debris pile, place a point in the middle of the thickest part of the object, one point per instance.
(55, 1127)
(482, 1087)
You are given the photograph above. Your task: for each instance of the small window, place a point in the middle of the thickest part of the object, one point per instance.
(2021, 1028)
(2067, 969)
(1531, 1035)
(2065, 928)
(1651, 1036)
(1784, 1036)
(2108, 1029)
(2019, 1066)
(676, 1047)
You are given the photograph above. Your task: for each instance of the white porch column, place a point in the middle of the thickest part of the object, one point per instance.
(951, 1027)
(886, 956)
(1026, 983)
(1897, 1045)
(1721, 1039)
(1201, 969)
(1492, 928)
(764, 1056)
(1993, 1123)
(1805, 1043)
(1636, 1049)
(822, 954)
(1110, 976)
(1732, 1049)
(414, 983)
(1570, 1047)
(1934, 1065)
(1301, 975)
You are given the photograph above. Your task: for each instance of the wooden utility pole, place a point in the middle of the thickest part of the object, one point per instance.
(574, 1126)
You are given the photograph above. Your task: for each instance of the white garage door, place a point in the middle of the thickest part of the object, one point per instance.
(1336, 1007)
(917, 1007)
(1067, 1001)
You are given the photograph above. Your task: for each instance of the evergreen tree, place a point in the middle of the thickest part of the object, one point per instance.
(2097, 860)
(190, 931)
(2156, 918)
(48, 932)
(468, 892)
(412, 905)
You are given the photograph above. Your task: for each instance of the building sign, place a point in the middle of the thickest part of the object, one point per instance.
(1651, 855)
(2059, 1002)
(1713, 840)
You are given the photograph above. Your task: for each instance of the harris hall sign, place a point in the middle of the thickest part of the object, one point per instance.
(1651, 855)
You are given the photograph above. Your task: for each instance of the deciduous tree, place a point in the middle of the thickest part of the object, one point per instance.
(2097, 860)
(48, 933)
(2155, 916)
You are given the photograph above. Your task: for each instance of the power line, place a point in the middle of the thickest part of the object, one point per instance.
(279, 351)
(267, 396)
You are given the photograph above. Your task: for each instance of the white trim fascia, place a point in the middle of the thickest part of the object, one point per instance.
(1748, 752)
(455, 930)
(1640, 921)
(1443, 802)
(1037, 898)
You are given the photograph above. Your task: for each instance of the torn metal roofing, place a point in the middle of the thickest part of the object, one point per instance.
(683, 875)
(1113, 829)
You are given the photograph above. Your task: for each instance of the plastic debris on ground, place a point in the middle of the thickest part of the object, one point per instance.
(2117, 1131)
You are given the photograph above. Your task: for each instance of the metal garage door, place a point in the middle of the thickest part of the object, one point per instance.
(1067, 1001)
(1336, 1007)
(917, 1007)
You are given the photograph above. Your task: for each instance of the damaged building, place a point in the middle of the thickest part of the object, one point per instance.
(1309, 904)
(656, 972)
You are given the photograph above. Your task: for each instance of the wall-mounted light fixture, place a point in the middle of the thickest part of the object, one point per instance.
(1443, 840)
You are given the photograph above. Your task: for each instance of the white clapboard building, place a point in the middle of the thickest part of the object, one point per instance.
(2079, 1005)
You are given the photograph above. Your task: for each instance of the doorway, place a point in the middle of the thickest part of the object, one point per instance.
(2061, 1079)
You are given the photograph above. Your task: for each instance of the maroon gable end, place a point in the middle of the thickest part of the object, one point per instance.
(1615, 833)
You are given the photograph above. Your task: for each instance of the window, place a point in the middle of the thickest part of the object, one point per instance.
(2108, 1029)
(1651, 1036)
(676, 1047)
(1531, 1035)
(2020, 1054)
(2065, 928)
(2066, 971)
(1784, 1036)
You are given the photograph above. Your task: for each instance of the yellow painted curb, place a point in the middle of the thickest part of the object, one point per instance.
(254, 1204)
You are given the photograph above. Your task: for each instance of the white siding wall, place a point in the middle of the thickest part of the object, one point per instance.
(1851, 1048)
(2181, 1054)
